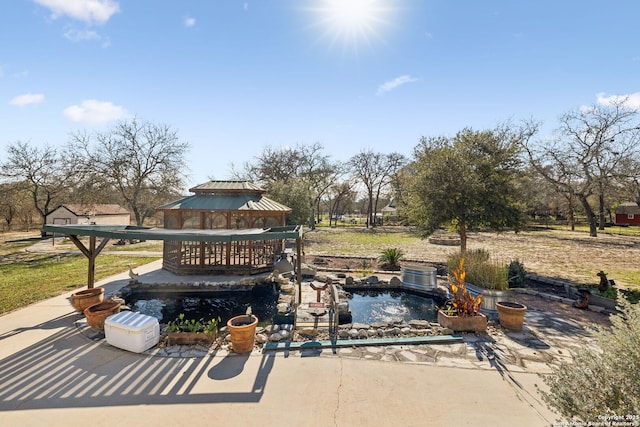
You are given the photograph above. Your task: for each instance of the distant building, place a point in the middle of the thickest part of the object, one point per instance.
(628, 214)
(223, 205)
(101, 214)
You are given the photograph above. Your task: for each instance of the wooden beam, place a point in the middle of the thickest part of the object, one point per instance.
(91, 273)
(91, 253)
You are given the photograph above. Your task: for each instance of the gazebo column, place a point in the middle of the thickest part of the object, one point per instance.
(91, 253)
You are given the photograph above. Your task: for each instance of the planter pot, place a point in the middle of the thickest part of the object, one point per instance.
(98, 313)
(463, 323)
(190, 338)
(490, 298)
(511, 315)
(243, 331)
(86, 298)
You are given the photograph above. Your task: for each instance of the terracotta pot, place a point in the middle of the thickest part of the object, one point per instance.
(511, 315)
(243, 331)
(88, 297)
(98, 313)
(463, 323)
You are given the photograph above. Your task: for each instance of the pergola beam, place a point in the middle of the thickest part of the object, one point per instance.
(108, 232)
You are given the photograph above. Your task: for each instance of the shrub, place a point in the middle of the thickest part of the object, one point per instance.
(191, 325)
(516, 274)
(481, 270)
(604, 382)
(389, 258)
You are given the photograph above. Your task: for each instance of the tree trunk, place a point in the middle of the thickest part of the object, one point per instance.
(591, 217)
(462, 231)
(602, 219)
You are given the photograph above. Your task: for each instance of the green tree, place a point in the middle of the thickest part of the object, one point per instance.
(294, 194)
(300, 167)
(466, 181)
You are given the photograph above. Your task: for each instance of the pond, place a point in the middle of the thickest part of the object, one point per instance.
(392, 306)
(167, 306)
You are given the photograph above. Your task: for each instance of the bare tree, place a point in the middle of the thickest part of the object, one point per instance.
(375, 171)
(141, 161)
(44, 172)
(339, 195)
(587, 153)
(303, 166)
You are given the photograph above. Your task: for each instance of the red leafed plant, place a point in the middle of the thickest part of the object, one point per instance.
(462, 303)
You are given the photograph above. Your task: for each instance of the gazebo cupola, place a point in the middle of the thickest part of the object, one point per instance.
(232, 205)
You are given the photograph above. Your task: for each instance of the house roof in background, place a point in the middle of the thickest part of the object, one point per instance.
(628, 208)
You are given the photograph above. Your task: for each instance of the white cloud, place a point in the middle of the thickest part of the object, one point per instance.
(89, 11)
(27, 99)
(189, 22)
(94, 112)
(631, 100)
(81, 35)
(392, 84)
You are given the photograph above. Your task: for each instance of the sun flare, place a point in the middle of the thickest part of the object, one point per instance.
(352, 23)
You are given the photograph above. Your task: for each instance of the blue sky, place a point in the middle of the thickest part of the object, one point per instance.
(232, 77)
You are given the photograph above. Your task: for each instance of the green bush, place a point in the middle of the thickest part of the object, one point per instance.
(600, 382)
(191, 325)
(389, 258)
(516, 274)
(481, 270)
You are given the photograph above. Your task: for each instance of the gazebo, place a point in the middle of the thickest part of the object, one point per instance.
(223, 205)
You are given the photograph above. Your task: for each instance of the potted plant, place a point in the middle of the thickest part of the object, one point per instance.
(87, 297)
(484, 276)
(96, 314)
(462, 313)
(511, 315)
(183, 331)
(243, 330)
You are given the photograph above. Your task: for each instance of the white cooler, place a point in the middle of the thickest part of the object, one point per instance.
(132, 331)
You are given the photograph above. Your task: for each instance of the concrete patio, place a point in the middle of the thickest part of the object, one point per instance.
(51, 374)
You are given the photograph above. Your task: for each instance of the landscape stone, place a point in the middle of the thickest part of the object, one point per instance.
(275, 337)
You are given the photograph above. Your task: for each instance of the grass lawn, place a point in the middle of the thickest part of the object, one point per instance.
(26, 278)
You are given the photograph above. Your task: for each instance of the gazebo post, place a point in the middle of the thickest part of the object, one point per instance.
(91, 253)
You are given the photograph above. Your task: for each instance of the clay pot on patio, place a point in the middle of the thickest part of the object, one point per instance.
(511, 315)
(98, 313)
(86, 298)
(243, 331)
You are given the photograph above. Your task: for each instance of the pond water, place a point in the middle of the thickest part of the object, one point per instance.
(369, 306)
(167, 306)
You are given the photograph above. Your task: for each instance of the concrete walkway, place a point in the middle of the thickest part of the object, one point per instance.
(50, 374)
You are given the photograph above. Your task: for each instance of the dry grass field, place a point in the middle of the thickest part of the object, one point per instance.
(567, 255)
